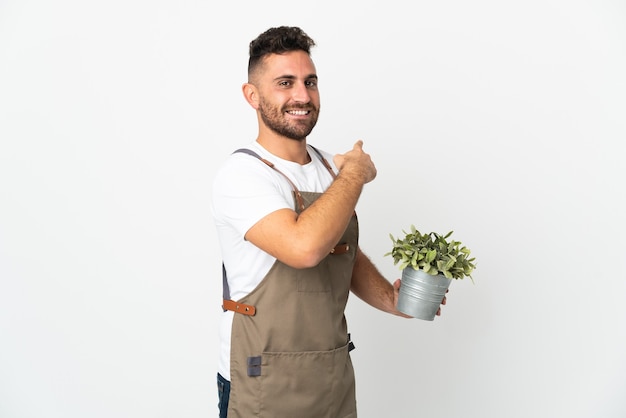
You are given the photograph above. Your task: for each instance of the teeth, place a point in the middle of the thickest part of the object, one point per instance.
(298, 112)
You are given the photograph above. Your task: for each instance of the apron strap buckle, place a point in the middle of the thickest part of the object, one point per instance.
(242, 308)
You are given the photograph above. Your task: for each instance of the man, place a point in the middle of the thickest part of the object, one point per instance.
(286, 222)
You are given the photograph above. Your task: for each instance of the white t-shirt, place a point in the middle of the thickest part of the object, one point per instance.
(245, 190)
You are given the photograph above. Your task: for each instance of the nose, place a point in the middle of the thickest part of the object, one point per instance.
(300, 93)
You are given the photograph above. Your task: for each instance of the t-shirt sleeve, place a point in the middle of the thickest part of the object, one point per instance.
(245, 190)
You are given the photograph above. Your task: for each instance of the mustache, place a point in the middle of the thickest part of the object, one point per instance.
(299, 107)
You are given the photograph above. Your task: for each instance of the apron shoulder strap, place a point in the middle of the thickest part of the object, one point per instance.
(324, 161)
(299, 198)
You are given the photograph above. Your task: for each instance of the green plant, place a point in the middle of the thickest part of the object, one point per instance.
(433, 254)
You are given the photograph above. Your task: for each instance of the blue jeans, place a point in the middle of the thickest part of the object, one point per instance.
(223, 394)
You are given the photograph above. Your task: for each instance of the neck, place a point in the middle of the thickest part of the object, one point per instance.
(285, 148)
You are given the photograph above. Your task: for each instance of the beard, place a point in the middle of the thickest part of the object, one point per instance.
(274, 119)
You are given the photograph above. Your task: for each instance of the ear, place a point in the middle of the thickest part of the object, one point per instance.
(251, 94)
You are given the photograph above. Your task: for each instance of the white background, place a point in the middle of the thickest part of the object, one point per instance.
(502, 121)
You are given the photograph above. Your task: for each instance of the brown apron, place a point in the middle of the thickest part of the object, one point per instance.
(289, 342)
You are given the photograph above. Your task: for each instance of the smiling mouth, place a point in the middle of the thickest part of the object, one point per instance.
(298, 112)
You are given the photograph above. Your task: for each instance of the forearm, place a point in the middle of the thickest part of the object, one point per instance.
(371, 286)
(329, 216)
(324, 222)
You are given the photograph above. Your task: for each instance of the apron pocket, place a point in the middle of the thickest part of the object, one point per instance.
(308, 384)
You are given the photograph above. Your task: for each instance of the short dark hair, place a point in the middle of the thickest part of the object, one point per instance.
(278, 40)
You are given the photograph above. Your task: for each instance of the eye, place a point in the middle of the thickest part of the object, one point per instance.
(311, 83)
(284, 83)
